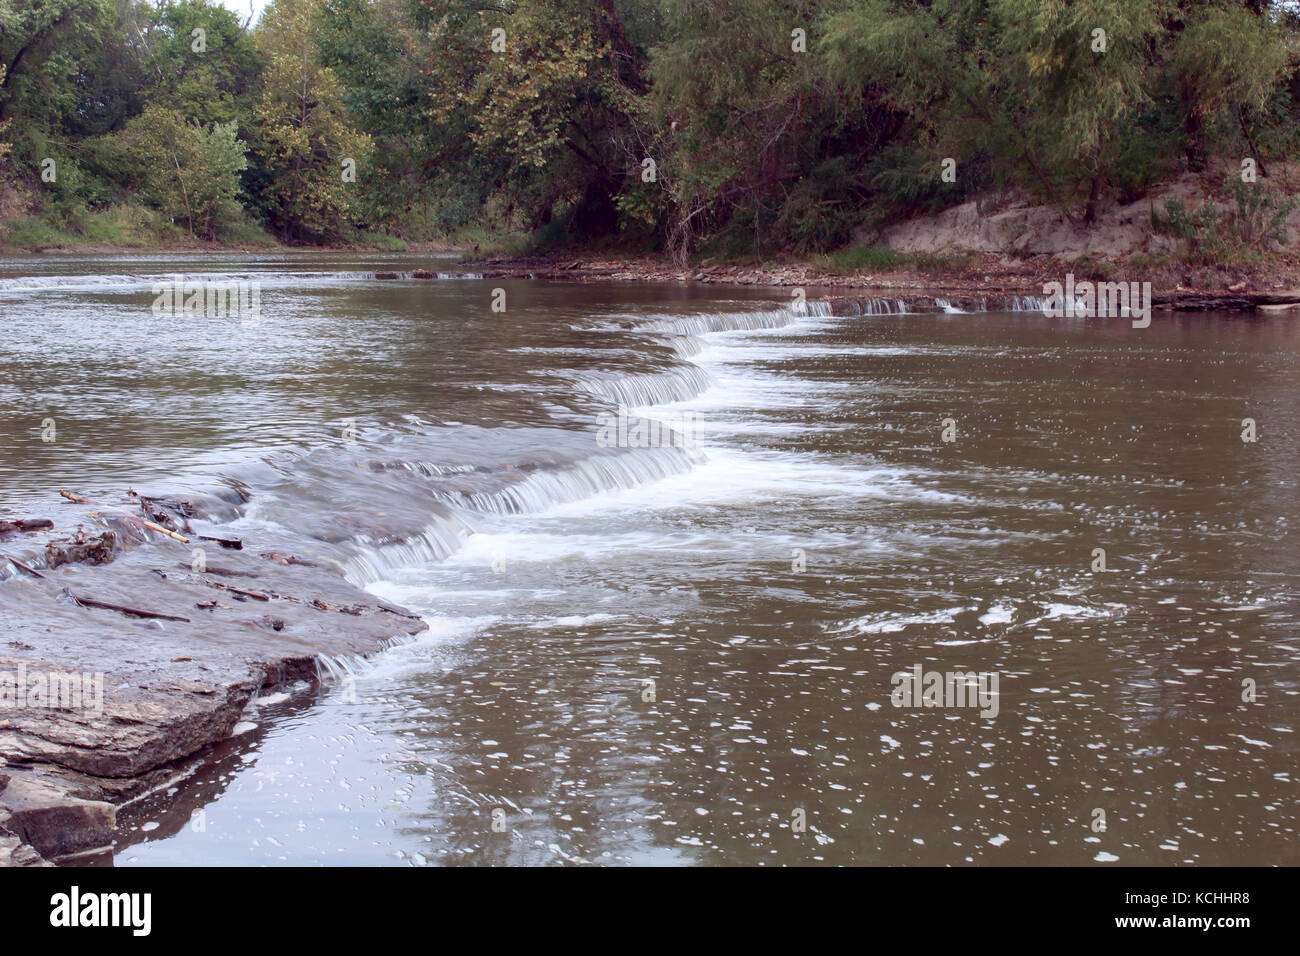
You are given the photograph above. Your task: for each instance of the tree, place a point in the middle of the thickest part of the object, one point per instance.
(206, 76)
(189, 171)
(4, 124)
(1031, 84)
(1081, 72)
(309, 142)
(1223, 57)
(740, 107)
(537, 99)
(29, 32)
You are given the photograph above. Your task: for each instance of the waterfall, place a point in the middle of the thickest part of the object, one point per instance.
(922, 305)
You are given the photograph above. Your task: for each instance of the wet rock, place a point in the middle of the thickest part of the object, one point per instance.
(160, 690)
(24, 525)
(49, 818)
(14, 852)
(96, 549)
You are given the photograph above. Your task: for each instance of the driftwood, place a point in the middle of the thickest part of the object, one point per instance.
(130, 611)
(1236, 299)
(151, 525)
(94, 550)
(22, 567)
(213, 569)
(9, 528)
(400, 613)
(255, 595)
(184, 508)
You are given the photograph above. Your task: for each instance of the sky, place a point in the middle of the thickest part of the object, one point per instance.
(241, 7)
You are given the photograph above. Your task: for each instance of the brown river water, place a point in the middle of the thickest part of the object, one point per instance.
(685, 654)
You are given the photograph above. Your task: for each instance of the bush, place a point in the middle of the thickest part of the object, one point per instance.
(1241, 234)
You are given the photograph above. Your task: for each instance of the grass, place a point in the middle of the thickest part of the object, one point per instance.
(1248, 231)
(115, 226)
(480, 243)
(884, 259)
(33, 235)
(247, 233)
(121, 226)
(946, 261)
(1092, 269)
(857, 258)
(381, 240)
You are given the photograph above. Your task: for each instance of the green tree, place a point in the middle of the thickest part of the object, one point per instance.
(309, 141)
(187, 170)
(544, 122)
(29, 32)
(739, 109)
(1031, 84)
(1223, 57)
(209, 76)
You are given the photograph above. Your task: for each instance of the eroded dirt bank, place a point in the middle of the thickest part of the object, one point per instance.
(124, 650)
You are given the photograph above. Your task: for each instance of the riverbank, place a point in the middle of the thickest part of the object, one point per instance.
(971, 283)
(136, 230)
(70, 246)
(1190, 237)
(987, 282)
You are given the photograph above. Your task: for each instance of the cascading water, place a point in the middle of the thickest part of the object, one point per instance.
(411, 493)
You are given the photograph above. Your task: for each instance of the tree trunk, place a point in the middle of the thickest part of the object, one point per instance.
(1250, 141)
(1194, 128)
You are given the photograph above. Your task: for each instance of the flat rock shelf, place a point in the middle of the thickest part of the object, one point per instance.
(161, 652)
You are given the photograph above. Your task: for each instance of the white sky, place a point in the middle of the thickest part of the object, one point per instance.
(241, 7)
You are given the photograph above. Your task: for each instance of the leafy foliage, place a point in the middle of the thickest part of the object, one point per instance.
(758, 126)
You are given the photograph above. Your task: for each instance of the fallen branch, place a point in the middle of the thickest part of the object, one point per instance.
(24, 525)
(22, 567)
(392, 610)
(226, 587)
(288, 559)
(213, 569)
(131, 611)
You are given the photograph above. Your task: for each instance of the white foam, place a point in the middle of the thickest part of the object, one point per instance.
(998, 614)
(892, 622)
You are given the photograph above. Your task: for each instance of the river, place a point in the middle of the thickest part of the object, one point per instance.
(684, 654)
